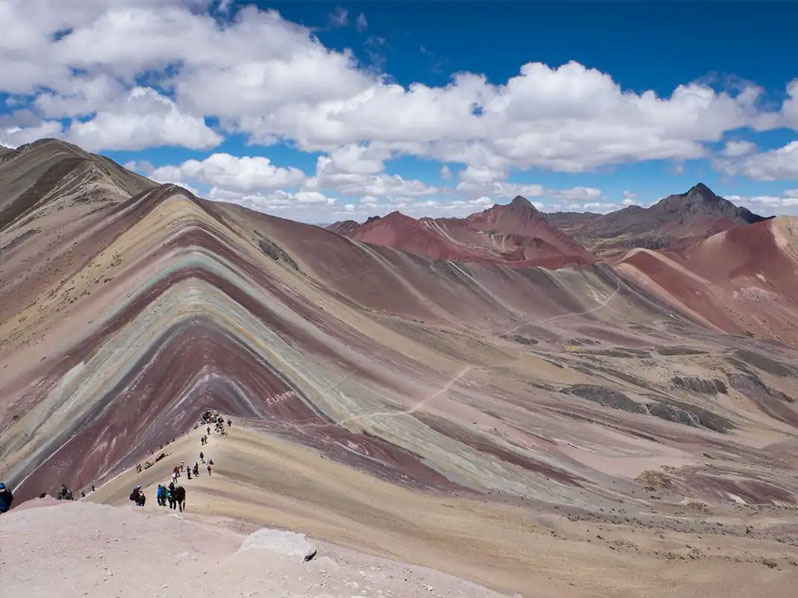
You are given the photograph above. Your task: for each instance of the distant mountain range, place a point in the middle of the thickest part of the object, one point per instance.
(675, 221)
(517, 234)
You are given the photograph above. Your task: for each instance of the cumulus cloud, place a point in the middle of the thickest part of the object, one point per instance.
(131, 74)
(23, 127)
(232, 174)
(309, 206)
(357, 177)
(769, 205)
(144, 118)
(630, 198)
(289, 86)
(773, 165)
(734, 149)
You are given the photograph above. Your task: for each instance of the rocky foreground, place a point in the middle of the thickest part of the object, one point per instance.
(85, 549)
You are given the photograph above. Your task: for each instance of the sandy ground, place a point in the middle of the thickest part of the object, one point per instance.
(85, 549)
(262, 481)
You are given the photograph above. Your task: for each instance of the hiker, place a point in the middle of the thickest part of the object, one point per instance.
(137, 496)
(209, 429)
(229, 422)
(161, 495)
(188, 472)
(64, 493)
(180, 497)
(202, 456)
(6, 498)
(210, 463)
(196, 469)
(170, 495)
(92, 487)
(138, 468)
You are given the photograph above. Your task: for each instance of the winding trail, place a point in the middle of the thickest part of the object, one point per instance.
(449, 383)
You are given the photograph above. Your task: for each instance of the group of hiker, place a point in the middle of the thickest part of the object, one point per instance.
(174, 495)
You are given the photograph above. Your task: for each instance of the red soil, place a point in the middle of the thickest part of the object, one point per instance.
(515, 234)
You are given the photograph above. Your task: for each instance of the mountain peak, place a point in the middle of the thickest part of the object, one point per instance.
(521, 201)
(702, 191)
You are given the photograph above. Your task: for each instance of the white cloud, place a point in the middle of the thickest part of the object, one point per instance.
(331, 175)
(144, 118)
(735, 149)
(141, 73)
(777, 164)
(446, 174)
(303, 205)
(13, 135)
(233, 174)
(361, 24)
(769, 205)
(630, 198)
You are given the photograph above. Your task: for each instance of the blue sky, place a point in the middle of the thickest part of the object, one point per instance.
(322, 111)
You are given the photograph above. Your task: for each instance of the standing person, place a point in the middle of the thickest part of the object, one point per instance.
(188, 472)
(209, 429)
(229, 422)
(64, 493)
(210, 464)
(170, 495)
(202, 456)
(196, 469)
(180, 497)
(6, 498)
(137, 496)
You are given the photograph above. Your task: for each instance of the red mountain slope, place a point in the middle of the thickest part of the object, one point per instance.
(515, 234)
(743, 280)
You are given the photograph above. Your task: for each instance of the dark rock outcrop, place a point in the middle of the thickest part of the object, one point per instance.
(274, 251)
(766, 364)
(606, 397)
(700, 385)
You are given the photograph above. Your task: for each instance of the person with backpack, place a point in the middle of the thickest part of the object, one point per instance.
(180, 497)
(64, 493)
(161, 495)
(6, 498)
(196, 469)
(170, 495)
(137, 496)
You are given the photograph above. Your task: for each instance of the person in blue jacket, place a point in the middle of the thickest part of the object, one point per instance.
(6, 498)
